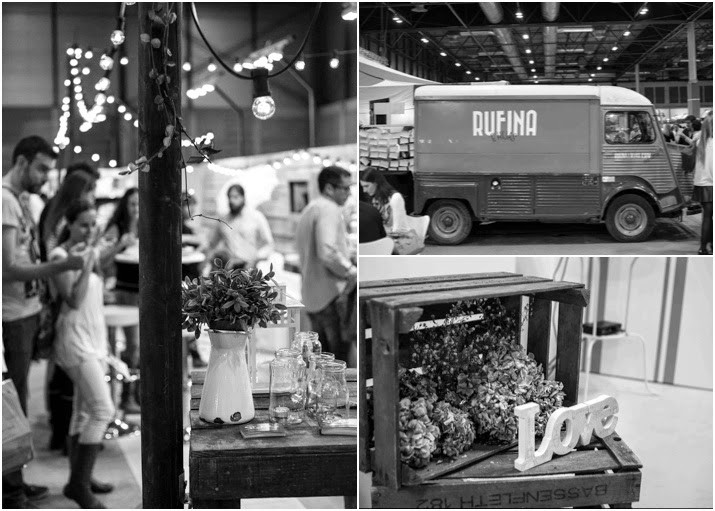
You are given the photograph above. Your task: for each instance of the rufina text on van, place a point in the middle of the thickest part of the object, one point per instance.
(550, 153)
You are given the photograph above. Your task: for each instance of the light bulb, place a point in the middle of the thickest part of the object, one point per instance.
(117, 37)
(124, 61)
(263, 107)
(128, 116)
(106, 62)
(121, 109)
(77, 53)
(85, 71)
(334, 62)
(237, 67)
(186, 66)
(78, 88)
(70, 52)
(102, 84)
(211, 67)
(67, 82)
(95, 157)
(74, 71)
(112, 163)
(189, 169)
(275, 56)
(88, 54)
(77, 149)
(110, 99)
(100, 99)
(136, 123)
(300, 65)
(76, 80)
(209, 87)
(261, 61)
(73, 62)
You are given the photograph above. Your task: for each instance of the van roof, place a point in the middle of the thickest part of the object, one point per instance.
(606, 94)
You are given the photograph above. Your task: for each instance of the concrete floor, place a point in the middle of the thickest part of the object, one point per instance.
(670, 237)
(671, 433)
(119, 463)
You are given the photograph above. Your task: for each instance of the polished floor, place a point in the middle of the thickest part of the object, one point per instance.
(119, 463)
(671, 237)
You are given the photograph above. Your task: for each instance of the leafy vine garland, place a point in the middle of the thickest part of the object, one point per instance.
(162, 15)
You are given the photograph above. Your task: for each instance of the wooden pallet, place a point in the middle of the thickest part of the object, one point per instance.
(392, 307)
(604, 472)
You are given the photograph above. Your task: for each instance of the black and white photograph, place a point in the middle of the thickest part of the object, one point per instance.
(538, 127)
(179, 255)
(530, 382)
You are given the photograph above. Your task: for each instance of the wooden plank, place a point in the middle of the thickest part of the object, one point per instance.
(627, 459)
(420, 300)
(442, 466)
(365, 431)
(578, 462)
(382, 292)
(385, 347)
(273, 476)
(571, 296)
(568, 350)
(522, 492)
(370, 284)
(539, 333)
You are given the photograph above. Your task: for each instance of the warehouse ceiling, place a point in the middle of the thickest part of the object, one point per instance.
(551, 42)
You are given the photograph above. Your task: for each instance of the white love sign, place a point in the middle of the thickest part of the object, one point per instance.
(594, 417)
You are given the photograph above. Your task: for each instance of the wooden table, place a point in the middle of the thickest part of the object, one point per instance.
(224, 468)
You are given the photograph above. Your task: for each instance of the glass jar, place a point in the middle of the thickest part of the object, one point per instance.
(332, 391)
(314, 372)
(287, 387)
(307, 343)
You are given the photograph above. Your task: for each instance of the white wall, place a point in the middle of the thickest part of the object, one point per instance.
(671, 306)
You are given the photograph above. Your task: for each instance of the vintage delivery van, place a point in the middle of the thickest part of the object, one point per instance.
(549, 153)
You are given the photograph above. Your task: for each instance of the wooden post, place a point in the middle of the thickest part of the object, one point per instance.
(160, 280)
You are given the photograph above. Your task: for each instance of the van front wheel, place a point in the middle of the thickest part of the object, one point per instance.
(630, 218)
(450, 222)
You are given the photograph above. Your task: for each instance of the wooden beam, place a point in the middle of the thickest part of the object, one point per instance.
(160, 279)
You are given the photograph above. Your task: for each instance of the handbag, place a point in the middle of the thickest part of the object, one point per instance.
(16, 434)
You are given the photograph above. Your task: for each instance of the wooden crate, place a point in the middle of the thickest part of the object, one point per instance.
(392, 307)
(604, 472)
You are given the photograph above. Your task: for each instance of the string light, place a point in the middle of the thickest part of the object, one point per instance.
(263, 106)
(102, 84)
(106, 62)
(117, 37)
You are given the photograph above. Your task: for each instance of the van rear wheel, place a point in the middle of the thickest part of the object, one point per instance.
(450, 222)
(630, 218)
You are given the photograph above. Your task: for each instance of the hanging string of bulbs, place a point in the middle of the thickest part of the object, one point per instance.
(263, 106)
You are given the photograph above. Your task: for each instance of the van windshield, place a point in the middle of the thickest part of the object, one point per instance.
(629, 127)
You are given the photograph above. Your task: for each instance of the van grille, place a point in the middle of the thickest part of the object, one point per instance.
(513, 199)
